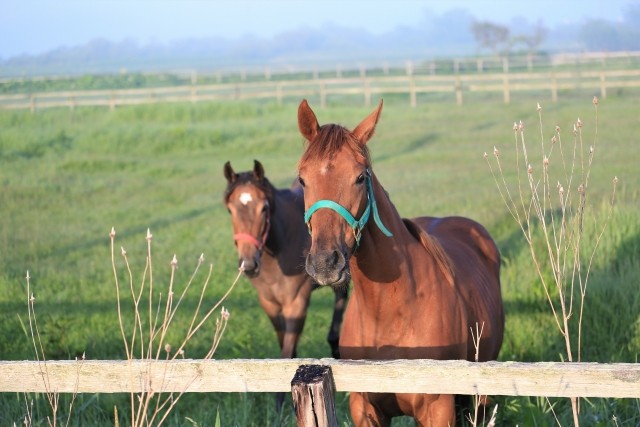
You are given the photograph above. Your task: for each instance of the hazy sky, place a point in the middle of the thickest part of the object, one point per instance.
(36, 26)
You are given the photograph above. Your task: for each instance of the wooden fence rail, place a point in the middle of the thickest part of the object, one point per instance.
(457, 86)
(551, 379)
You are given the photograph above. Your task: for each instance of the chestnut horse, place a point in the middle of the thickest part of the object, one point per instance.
(421, 287)
(272, 241)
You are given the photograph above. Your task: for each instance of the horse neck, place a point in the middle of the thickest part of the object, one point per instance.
(287, 222)
(378, 259)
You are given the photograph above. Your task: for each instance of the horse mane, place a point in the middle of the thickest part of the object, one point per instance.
(329, 140)
(250, 178)
(432, 246)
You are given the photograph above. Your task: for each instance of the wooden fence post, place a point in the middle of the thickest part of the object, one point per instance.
(412, 93)
(458, 89)
(505, 88)
(313, 393)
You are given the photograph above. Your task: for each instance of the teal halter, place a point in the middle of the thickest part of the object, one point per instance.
(356, 225)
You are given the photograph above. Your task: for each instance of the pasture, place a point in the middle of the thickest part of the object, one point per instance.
(69, 176)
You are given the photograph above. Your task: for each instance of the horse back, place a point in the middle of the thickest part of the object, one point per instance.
(475, 265)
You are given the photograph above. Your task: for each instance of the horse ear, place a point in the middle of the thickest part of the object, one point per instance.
(229, 173)
(307, 121)
(258, 170)
(364, 131)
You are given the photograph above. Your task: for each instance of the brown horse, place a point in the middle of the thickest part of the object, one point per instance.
(272, 241)
(421, 287)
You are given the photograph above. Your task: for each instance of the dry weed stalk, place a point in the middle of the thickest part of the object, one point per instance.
(479, 400)
(552, 216)
(53, 397)
(147, 338)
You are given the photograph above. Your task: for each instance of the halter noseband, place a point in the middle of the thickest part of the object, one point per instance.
(259, 244)
(356, 225)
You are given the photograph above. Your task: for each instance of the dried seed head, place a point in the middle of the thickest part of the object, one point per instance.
(561, 190)
(581, 189)
(545, 162)
(224, 314)
(181, 352)
(112, 234)
(496, 152)
(557, 129)
(579, 122)
(201, 259)
(521, 126)
(595, 100)
(539, 107)
(615, 180)
(485, 155)
(554, 139)
(591, 149)
(32, 299)
(575, 129)
(515, 127)
(529, 169)
(167, 348)
(122, 251)
(149, 235)
(28, 277)
(174, 261)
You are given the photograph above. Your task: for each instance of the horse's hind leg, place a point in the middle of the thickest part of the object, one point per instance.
(336, 322)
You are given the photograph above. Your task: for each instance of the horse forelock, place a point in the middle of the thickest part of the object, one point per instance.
(244, 178)
(332, 138)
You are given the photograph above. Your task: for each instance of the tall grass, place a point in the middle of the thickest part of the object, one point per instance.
(67, 176)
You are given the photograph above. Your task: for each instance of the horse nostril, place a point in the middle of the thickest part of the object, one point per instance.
(336, 258)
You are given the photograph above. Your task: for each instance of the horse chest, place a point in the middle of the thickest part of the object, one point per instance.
(420, 326)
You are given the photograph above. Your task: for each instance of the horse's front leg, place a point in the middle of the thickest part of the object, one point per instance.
(433, 410)
(333, 338)
(365, 414)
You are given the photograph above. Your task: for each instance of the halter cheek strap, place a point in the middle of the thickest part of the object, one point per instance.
(356, 225)
(259, 244)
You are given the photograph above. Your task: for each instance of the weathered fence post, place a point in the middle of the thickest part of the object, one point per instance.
(313, 392)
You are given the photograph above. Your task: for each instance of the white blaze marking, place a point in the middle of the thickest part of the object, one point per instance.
(245, 198)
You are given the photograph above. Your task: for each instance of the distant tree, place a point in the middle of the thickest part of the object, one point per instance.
(490, 35)
(598, 34)
(534, 40)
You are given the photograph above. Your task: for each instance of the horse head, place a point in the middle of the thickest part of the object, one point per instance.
(335, 171)
(249, 200)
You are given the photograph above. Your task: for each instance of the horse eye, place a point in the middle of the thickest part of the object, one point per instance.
(301, 181)
(360, 179)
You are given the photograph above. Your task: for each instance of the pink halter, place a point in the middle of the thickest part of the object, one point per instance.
(259, 244)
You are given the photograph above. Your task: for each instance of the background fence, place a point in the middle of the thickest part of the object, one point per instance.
(548, 84)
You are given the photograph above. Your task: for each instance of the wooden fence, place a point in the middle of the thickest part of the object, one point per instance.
(551, 379)
(455, 87)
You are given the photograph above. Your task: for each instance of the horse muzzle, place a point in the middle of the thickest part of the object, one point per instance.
(329, 267)
(251, 266)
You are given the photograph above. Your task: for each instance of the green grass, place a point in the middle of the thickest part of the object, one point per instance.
(67, 177)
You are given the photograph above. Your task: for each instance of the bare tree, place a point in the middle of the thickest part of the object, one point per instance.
(489, 35)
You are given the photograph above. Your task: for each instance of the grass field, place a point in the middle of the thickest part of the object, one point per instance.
(67, 177)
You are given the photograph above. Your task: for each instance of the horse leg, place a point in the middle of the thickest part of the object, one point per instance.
(336, 322)
(434, 410)
(366, 414)
(294, 316)
(274, 312)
